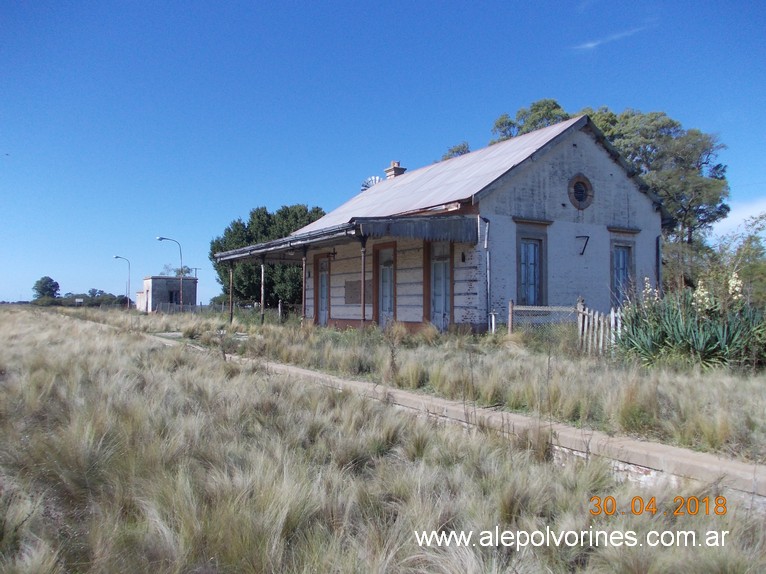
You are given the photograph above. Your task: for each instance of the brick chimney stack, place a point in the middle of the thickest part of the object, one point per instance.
(394, 169)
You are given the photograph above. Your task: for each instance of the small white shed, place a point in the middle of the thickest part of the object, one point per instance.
(163, 293)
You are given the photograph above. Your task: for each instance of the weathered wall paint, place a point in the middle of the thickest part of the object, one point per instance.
(539, 190)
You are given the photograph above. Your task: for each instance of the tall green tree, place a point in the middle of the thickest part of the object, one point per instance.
(692, 184)
(640, 138)
(282, 281)
(540, 114)
(45, 287)
(681, 166)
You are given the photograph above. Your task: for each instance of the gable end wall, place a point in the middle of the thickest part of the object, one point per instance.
(538, 190)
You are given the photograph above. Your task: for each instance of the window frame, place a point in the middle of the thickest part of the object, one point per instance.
(617, 298)
(585, 203)
(376, 249)
(530, 230)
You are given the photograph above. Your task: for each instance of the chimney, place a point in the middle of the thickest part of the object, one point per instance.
(394, 170)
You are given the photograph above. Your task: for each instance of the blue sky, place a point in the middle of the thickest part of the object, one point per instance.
(123, 121)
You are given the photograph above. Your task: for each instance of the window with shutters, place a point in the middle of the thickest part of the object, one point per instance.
(530, 281)
(623, 273)
(531, 264)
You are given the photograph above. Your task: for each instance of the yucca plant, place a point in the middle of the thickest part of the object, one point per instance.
(693, 327)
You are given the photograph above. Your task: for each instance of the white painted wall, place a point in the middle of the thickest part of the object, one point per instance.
(469, 284)
(347, 267)
(409, 281)
(539, 190)
(156, 291)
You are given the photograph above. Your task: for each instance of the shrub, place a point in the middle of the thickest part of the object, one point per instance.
(413, 375)
(693, 327)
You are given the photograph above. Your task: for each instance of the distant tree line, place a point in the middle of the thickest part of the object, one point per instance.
(46, 293)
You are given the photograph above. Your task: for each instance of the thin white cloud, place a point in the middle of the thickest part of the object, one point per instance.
(613, 38)
(739, 213)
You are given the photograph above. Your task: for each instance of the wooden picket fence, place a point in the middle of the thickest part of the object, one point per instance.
(597, 331)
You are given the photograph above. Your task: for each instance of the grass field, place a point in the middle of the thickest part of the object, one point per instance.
(722, 411)
(122, 455)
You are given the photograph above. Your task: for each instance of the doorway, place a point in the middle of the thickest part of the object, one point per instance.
(385, 286)
(323, 287)
(440, 285)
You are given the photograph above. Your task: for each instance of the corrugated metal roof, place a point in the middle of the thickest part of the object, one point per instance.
(379, 210)
(444, 182)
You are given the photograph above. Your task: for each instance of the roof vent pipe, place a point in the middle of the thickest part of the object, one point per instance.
(394, 169)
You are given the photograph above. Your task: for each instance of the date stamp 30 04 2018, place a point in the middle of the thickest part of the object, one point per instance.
(682, 505)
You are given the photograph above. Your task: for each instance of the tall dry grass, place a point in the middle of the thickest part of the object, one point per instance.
(121, 455)
(720, 410)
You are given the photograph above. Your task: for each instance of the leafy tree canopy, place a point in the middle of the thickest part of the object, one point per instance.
(639, 137)
(691, 183)
(282, 281)
(169, 270)
(45, 287)
(456, 150)
(541, 114)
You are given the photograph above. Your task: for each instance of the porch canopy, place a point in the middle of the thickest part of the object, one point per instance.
(290, 250)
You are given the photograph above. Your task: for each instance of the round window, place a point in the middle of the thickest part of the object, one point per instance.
(580, 191)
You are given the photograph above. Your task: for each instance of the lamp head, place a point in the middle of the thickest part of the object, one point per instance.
(160, 239)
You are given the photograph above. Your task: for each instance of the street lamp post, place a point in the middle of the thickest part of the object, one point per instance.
(180, 252)
(126, 259)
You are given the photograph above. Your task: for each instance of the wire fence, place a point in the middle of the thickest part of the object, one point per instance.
(109, 306)
(545, 327)
(576, 329)
(171, 308)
